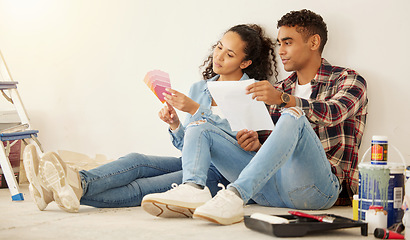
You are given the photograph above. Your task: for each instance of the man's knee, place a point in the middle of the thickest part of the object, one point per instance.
(296, 112)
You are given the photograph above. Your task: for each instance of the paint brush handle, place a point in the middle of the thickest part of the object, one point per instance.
(323, 218)
(301, 214)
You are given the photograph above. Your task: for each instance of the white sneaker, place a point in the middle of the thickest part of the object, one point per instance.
(40, 195)
(62, 180)
(225, 208)
(180, 201)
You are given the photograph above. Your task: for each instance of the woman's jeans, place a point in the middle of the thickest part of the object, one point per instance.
(124, 182)
(289, 170)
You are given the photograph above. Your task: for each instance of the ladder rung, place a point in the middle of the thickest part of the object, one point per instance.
(7, 85)
(18, 135)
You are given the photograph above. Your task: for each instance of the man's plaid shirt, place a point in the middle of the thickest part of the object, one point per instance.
(337, 111)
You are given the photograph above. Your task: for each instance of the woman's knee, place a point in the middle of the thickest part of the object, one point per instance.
(199, 126)
(134, 158)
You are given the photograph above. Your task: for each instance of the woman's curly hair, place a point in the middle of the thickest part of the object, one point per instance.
(308, 24)
(259, 49)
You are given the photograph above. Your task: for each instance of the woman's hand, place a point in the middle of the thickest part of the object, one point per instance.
(169, 115)
(181, 102)
(248, 140)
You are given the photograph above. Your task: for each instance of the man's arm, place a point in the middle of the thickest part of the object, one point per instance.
(331, 110)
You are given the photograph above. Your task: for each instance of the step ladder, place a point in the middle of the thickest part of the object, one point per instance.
(11, 135)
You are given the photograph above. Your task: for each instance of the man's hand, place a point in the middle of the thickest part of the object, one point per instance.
(181, 102)
(264, 91)
(248, 140)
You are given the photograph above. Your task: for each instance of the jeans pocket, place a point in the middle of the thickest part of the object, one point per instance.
(309, 197)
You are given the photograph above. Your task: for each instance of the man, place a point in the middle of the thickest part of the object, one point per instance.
(320, 113)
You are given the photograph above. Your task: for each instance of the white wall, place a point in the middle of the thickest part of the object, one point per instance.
(80, 64)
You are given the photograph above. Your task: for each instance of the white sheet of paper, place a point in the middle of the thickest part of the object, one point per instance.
(241, 111)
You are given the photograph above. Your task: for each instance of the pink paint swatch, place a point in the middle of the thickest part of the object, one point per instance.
(158, 81)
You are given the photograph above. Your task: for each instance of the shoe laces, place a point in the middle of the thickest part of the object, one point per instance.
(223, 194)
(174, 186)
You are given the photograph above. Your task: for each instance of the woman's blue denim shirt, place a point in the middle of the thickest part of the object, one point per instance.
(199, 92)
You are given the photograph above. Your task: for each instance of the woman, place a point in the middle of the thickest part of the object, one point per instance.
(242, 53)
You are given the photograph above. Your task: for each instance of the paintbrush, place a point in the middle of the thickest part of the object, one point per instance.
(321, 218)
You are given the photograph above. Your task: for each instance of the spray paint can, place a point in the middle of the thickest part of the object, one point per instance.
(355, 205)
(379, 150)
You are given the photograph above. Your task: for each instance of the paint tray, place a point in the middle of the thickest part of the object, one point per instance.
(300, 226)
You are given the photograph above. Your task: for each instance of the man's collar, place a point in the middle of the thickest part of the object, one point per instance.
(323, 73)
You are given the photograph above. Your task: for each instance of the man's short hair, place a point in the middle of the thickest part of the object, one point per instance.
(307, 23)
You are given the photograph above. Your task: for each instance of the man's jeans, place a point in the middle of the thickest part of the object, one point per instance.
(290, 169)
(124, 182)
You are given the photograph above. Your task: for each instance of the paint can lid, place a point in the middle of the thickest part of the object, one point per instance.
(366, 165)
(379, 138)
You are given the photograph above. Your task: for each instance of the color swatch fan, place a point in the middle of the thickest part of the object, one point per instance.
(158, 81)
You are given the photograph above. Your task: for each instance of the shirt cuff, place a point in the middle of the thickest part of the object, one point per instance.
(175, 130)
(302, 103)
